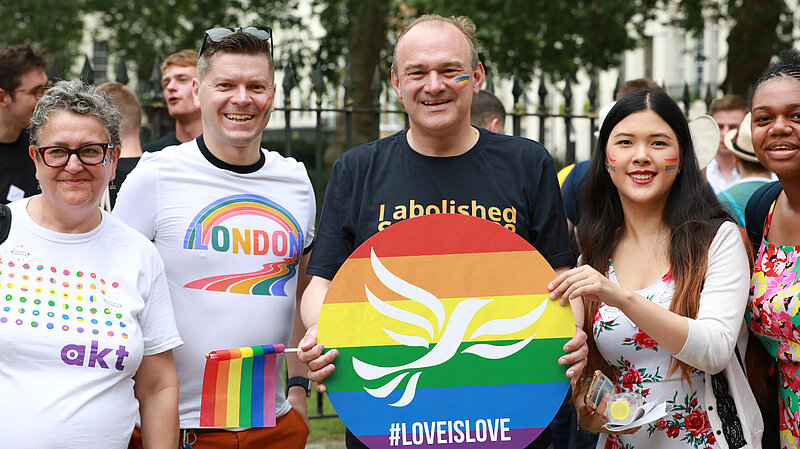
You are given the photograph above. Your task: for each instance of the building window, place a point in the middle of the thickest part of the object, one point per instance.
(700, 61)
(648, 57)
(100, 61)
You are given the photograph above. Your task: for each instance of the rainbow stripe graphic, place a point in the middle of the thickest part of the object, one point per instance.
(462, 80)
(239, 387)
(429, 317)
(671, 163)
(271, 280)
(268, 280)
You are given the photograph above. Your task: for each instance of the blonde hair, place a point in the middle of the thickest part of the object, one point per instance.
(183, 58)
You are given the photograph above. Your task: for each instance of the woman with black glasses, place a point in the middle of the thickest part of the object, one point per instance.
(86, 324)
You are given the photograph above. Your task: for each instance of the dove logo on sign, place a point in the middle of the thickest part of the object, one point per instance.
(450, 336)
(446, 337)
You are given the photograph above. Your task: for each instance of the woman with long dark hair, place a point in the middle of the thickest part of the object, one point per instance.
(772, 313)
(664, 284)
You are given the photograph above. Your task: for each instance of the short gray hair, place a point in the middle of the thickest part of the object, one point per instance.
(463, 23)
(79, 98)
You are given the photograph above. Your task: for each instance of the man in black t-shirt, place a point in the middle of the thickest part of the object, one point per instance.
(440, 165)
(22, 83)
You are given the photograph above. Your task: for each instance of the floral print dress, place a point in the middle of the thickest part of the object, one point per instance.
(641, 365)
(772, 314)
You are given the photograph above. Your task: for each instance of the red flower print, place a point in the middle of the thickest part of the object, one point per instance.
(791, 381)
(672, 431)
(667, 277)
(711, 439)
(632, 376)
(612, 442)
(773, 262)
(697, 422)
(783, 324)
(644, 341)
(694, 402)
(661, 424)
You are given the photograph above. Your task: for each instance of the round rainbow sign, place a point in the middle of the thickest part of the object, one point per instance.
(446, 337)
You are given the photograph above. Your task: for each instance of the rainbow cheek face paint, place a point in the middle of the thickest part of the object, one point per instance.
(462, 80)
(671, 163)
(268, 107)
(611, 163)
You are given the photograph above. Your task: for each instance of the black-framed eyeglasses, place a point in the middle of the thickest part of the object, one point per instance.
(37, 91)
(217, 34)
(89, 154)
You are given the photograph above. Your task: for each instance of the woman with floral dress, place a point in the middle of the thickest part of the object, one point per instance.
(664, 293)
(773, 310)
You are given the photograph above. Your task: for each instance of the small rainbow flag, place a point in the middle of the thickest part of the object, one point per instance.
(239, 387)
(671, 163)
(462, 80)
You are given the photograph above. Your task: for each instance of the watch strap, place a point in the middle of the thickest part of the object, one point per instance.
(299, 381)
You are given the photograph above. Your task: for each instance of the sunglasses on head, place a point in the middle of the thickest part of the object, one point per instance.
(217, 34)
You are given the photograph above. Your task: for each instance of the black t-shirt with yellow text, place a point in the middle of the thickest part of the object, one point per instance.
(508, 180)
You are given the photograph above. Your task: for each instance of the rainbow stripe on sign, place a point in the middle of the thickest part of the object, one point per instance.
(430, 316)
(239, 387)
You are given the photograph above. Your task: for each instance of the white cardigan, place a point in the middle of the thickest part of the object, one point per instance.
(718, 328)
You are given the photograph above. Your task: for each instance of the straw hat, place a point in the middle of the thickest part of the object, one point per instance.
(705, 136)
(740, 141)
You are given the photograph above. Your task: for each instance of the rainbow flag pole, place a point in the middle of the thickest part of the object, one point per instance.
(239, 387)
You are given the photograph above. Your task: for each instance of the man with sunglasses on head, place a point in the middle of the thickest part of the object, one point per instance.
(234, 224)
(22, 83)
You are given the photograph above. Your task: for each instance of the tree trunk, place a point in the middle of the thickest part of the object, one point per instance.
(751, 44)
(366, 37)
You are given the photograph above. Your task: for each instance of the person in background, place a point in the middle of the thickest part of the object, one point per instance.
(177, 73)
(487, 112)
(728, 112)
(87, 330)
(752, 174)
(131, 149)
(22, 83)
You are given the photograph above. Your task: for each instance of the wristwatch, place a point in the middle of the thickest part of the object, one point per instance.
(299, 381)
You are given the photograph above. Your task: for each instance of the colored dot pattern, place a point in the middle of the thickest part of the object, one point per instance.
(26, 299)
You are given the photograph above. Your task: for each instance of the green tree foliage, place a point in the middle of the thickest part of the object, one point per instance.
(758, 34)
(555, 37)
(144, 29)
(355, 30)
(56, 25)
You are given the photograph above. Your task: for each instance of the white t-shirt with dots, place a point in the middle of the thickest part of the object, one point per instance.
(77, 314)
